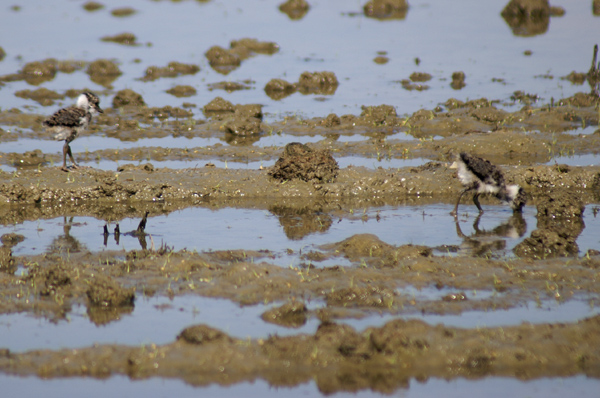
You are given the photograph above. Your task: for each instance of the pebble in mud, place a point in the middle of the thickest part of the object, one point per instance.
(299, 161)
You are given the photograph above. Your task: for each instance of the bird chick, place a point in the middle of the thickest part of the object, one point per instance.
(482, 177)
(67, 123)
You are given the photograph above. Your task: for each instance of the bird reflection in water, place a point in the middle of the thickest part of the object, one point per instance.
(483, 242)
(140, 233)
(65, 242)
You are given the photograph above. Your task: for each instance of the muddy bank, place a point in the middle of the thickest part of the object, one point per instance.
(336, 357)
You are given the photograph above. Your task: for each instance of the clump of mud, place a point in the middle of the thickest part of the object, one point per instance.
(291, 315)
(127, 97)
(108, 300)
(127, 39)
(202, 334)
(173, 69)
(104, 292)
(2, 53)
(224, 60)
(325, 83)
(123, 12)
(386, 9)
(231, 86)
(278, 89)
(42, 96)
(379, 115)
(372, 251)
(103, 72)
(33, 158)
(239, 120)
(295, 9)
(458, 80)
(92, 6)
(300, 222)
(527, 17)
(38, 72)
(182, 91)
(299, 161)
(560, 222)
(371, 296)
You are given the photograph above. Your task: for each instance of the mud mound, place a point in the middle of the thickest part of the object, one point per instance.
(371, 296)
(560, 222)
(325, 83)
(301, 162)
(292, 315)
(202, 334)
(527, 17)
(278, 89)
(295, 9)
(103, 72)
(127, 97)
(104, 292)
(372, 251)
(386, 9)
(173, 69)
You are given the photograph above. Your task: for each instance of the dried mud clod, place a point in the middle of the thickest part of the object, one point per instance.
(292, 315)
(202, 334)
(299, 161)
(371, 296)
(386, 9)
(295, 9)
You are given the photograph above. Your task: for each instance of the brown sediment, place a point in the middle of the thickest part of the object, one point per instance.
(304, 199)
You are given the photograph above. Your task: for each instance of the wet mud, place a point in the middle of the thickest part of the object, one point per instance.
(307, 191)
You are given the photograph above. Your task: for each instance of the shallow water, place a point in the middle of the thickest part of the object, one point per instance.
(469, 36)
(23, 332)
(579, 386)
(258, 229)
